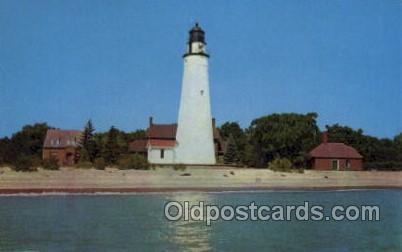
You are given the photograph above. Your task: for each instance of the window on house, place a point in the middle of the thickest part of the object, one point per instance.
(162, 153)
(335, 165)
(347, 164)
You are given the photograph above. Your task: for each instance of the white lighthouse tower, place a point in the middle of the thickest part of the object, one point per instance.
(194, 135)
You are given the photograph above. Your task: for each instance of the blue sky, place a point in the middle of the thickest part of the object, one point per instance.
(117, 62)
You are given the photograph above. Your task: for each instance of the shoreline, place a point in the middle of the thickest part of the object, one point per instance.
(106, 191)
(200, 179)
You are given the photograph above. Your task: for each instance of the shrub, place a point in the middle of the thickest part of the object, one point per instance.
(136, 161)
(84, 165)
(383, 166)
(23, 163)
(50, 164)
(83, 156)
(36, 161)
(179, 167)
(280, 164)
(100, 163)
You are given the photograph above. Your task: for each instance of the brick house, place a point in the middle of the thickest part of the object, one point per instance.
(62, 145)
(160, 140)
(335, 156)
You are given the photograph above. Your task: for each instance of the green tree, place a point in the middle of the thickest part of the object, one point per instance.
(286, 135)
(138, 134)
(234, 129)
(250, 155)
(122, 138)
(112, 149)
(231, 155)
(29, 141)
(5, 145)
(26, 143)
(136, 161)
(89, 149)
(398, 139)
(239, 136)
(398, 146)
(369, 147)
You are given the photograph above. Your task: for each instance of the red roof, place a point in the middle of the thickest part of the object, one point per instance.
(57, 138)
(139, 145)
(334, 150)
(162, 131)
(168, 131)
(162, 142)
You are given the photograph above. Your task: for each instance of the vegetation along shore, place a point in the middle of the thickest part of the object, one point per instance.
(279, 142)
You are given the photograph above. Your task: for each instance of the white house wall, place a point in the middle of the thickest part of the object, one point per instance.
(154, 156)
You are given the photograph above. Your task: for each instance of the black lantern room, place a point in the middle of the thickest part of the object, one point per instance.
(196, 42)
(197, 34)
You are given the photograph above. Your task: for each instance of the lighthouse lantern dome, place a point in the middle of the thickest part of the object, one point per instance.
(197, 34)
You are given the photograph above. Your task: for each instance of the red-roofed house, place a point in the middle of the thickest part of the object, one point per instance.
(335, 156)
(160, 141)
(62, 145)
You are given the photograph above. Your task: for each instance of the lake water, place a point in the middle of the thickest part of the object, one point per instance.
(136, 222)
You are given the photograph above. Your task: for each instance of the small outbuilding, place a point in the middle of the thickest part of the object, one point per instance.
(335, 156)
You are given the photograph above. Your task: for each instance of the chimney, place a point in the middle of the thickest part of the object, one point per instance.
(151, 121)
(213, 123)
(324, 137)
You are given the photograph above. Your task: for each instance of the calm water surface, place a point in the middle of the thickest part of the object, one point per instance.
(136, 222)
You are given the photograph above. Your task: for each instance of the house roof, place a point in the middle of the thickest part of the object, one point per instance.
(168, 131)
(138, 145)
(334, 150)
(162, 143)
(162, 131)
(57, 138)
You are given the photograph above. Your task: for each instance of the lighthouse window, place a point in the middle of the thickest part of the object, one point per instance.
(162, 153)
(202, 92)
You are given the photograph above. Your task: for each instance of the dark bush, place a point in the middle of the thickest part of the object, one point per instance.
(23, 163)
(384, 166)
(36, 161)
(100, 163)
(136, 161)
(84, 165)
(179, 167)
(51, 164)
(280, 164)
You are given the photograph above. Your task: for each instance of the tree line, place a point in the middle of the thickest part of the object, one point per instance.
(292, 136)
(285, 136)
(23, 150)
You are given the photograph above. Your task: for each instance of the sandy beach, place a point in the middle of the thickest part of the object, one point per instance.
(192, 179)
